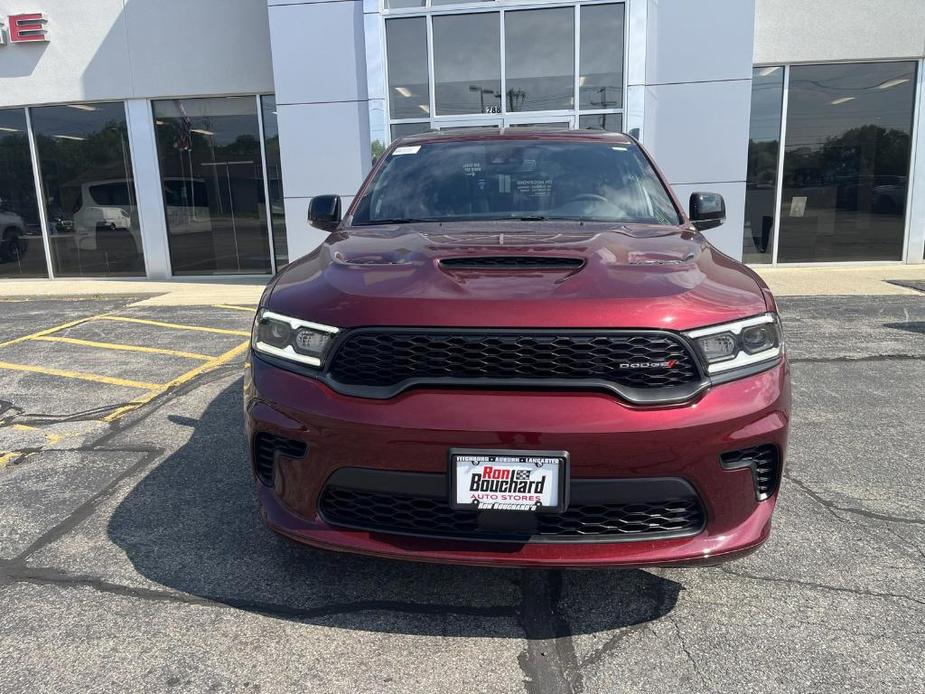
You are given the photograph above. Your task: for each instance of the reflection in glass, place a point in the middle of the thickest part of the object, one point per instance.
(22, 253)
(404, 129)
(611, 122)
(397, 4)
(846, 162)
(406, 41)
(761, 178)
(539, 47)
(86, 172)
(274, 179)
(600, 81)
(209, 153)
(467, 63)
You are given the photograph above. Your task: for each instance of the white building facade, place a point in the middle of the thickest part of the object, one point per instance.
(166, 138)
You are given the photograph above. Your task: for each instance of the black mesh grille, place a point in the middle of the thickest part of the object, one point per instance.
(764, 462)
(519, 262)
(265, 446)
(391, 357)
(421, 515)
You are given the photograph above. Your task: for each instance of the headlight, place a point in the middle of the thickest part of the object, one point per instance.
(292, 338)
(739, 344)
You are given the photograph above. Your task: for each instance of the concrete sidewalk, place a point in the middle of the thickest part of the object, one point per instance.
(784, 281)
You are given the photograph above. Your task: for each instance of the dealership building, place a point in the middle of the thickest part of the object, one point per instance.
(163, 138)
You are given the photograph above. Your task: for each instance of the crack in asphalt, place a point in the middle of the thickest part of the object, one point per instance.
(687, 652)
(819, 586)
(866, 358)
(831, 506)
(13, 574)
(549, 662)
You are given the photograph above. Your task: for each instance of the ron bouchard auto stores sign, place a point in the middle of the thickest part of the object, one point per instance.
(23, 28)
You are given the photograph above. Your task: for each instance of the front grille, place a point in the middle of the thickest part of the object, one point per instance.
(518, 262)
(391, 357)
(429, 516)
(764, 462)
(266, 446)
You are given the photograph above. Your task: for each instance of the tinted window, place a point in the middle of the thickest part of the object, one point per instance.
(82, 147)
(763, 148)
(22, 253)
(539, 48)
(275, 179)
(600, 82)
(467, 64)
(409, 94)
(514, 179)
(846, 162)
(210, 161)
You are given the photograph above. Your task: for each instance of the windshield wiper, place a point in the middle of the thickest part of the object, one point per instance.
(395, 220)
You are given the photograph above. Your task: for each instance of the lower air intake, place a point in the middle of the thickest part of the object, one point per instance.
(764, 462)
(265, 448)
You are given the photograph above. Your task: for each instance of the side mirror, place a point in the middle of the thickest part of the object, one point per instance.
(324, 212)
(707, 210)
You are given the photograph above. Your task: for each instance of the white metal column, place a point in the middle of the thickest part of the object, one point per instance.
(39, 194)
(915, 221)
(151, 215)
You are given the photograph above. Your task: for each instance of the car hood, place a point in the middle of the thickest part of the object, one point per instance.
(639, 276)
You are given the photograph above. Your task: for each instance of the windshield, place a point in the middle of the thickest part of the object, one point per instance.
(516, 179)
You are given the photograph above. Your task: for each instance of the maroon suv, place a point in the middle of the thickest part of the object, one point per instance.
(517, 349)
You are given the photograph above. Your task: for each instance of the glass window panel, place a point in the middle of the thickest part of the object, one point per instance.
(209, 153)
(846, 162)
(406, 48)
(22, 253)
(600, 82)
(611, 122)
(84, 153)
(274, 180)
(436, 3)
(539, 47)
(396, 4)
(763, 149)
(404, 129)
(467, 63)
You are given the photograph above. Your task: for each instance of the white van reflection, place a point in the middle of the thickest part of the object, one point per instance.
(106, 207)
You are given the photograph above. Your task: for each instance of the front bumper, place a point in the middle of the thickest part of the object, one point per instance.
(605, 438)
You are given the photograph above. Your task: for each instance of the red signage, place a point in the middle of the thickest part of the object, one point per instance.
(25, 28)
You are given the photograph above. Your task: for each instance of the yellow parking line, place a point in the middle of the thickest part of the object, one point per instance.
(94, 378)
(49, 331)
(179, 380)
(176, 326)
(24, 427)
(126, 348)
(249, 309)
(7, 457)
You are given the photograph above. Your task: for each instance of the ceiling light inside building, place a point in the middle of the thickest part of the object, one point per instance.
(425, 108)
(201, 131)
(892, 83)
(842, 100)
(70, 137)
(82, 107)
(9, 130)
(765, 71)
(404, 91)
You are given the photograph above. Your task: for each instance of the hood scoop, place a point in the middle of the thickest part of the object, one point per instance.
(512, 262)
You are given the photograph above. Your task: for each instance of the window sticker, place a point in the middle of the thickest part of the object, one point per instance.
(406, 149)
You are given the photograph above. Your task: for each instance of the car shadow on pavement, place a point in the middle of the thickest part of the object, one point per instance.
(191, 524)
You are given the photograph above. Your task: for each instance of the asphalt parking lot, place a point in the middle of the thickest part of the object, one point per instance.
(132, 557)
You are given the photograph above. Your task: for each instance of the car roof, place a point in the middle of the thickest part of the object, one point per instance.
(487, 134)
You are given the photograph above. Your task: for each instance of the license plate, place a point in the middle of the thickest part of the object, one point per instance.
(490, 480)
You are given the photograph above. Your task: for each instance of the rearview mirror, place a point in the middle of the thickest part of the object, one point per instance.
(707, 210)
(324, 212)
